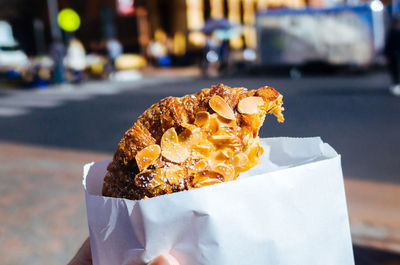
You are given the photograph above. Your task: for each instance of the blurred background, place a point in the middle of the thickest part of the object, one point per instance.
(74, 75)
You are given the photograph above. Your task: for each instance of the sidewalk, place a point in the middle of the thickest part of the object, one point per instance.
(374, 210)
(188, 71)
(42, 207)
(43, 215)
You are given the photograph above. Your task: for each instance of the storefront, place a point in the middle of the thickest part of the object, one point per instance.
(177, 18)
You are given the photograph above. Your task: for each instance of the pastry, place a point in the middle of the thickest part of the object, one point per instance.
(193, 141)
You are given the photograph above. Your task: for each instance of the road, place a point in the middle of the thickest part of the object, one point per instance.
(355, 114)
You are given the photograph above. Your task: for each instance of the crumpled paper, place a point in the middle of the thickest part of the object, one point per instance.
(290, 209)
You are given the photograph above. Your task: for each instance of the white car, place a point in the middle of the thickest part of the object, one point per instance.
(12, 56)
(10, 53)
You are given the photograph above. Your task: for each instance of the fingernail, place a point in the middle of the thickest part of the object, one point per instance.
(165, 259)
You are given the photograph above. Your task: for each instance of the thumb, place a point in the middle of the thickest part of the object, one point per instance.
(165, 259)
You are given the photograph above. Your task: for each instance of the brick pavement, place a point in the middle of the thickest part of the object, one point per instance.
(42, 207)
(42, 210)
(374, 210)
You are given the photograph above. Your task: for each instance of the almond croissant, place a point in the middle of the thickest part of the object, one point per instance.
(189, 142)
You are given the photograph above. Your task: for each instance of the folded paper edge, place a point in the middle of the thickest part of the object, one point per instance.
(86, 169)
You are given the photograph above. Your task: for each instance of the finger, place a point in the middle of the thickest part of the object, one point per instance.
(165, 259)
(83, 256)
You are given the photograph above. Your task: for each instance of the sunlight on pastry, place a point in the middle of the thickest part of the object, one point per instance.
(190, 142)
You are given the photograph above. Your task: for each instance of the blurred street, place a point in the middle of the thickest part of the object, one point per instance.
(47, 135)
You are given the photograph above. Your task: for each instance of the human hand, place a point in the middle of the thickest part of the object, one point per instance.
(84, 257)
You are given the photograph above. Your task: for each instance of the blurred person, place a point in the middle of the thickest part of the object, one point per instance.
(84, 257)
(392, 51)
(210, 62)
(57, 54)
(114, 50)
(75, 59)
(224, 52)
(158, 49)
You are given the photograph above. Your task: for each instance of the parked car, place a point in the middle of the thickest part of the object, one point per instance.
(11, 55)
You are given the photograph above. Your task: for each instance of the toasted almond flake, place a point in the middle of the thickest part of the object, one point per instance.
(227, 171)
(170, 136)
(175, 152)
(206, 174)
(224, 123)
(174, 174)
(275, 107)
(201, 165)
(223, 138)
(202, 118)
(147, 156)
(254, 153)
(277, 111)
(203, 149)
(224, 154)
(240, 160)
(220, 106)
(213, 124)
(149, 179)
(247, 140)
(249, 105)
(192, 128)
(260, 151)
(227, 153)
(190, 139)
(207, 182)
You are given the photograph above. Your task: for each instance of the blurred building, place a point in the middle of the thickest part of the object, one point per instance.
(187, 17)
(100, 19)
(135, 23)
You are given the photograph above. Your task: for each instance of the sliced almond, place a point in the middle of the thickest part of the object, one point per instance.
(249, 105)
(192, 128)
(190, 139)
(202, 118)
(150, 179)
(174, 174)
(260, 151)
(277, 111)
(240, 160)
(254, 153)
(227, 171)
(203, 148)
(247, 139)
(147, 156)
(220, 106)
(207, 182)
(225, 154)
(213, 124)
(223, 139)
(206, 174)
(201, 165)
(188, 135)
(224, 123)
(170, 136)
(175, 152)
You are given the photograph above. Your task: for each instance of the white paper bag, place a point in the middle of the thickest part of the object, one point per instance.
(291, 209)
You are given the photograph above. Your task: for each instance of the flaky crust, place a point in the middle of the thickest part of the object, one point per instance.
(152, 124)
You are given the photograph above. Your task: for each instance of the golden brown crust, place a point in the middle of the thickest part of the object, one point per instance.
(123, 178)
